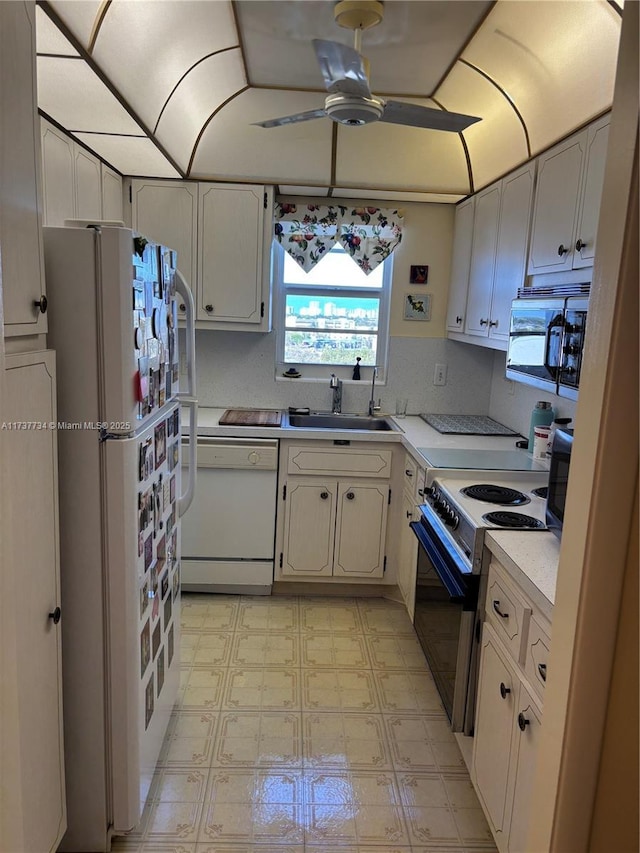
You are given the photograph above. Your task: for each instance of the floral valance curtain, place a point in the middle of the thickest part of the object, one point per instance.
(309, 231)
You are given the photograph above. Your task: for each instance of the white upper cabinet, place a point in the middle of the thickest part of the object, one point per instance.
(167, 212)
(20, 199)
(234, 239)
(460, 263)
(112, 207)
(88, 184)
(567, 203)
(483, 260)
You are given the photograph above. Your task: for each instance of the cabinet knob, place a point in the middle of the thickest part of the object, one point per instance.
(580, 245)
(522, 721)
(483, 322)
(458, 319)
(350, 496)
(55, 615)
(493, 322)
(208, 309)
(409, 514)
(542, 670)
(183, 307)
(409, 472)
(561, 250)
(496, 607)
(41, 304)
(504, 690)
(324, 495)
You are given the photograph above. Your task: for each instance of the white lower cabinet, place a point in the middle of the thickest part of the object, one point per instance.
(334, 527)
(507, 733)
(33, 804)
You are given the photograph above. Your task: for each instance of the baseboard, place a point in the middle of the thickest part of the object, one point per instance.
(342, 590)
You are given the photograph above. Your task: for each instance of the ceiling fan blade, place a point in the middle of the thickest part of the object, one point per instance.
(293, 119)
(396, 112)
(342, 68)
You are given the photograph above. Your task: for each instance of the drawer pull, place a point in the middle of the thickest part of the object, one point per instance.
(409, 473)
(522, 721)
(542, 669)
(409, 514)
(496, 607)
(504, 690)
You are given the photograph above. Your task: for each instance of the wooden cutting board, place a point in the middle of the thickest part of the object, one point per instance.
(251, 417)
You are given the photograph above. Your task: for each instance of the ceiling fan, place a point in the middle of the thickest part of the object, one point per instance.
(346, 78)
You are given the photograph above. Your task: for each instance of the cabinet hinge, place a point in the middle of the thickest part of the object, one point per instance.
(384, 565)
(389, 501)
(284, 492)
(130, 194)
(262, 309)
(265, 201)
(280, 559)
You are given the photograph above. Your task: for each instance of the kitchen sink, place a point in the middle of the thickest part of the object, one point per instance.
(327, 420)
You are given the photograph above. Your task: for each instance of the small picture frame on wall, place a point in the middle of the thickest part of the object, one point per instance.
(418, 274)
(417, 307)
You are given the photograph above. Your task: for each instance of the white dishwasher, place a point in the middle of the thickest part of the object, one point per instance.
(228, 532)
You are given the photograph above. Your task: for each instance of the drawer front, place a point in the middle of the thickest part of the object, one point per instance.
(537, 655)
(347, 462)
(507, 612)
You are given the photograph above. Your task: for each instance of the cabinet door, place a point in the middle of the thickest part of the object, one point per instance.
(407, 556)
(88, 184)
(557, 190)
(511, 253)
(309, 526)
(361, 528)
(57, 175)
(524, 749)
(111, 194)
(483, 259)
(36, 796)
(497, 697)
(20, 201)
(460, 263)
(230, 262)
(166, 211)
(596, 155)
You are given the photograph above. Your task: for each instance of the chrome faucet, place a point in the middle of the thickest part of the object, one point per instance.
(336, 386)
(372, 403)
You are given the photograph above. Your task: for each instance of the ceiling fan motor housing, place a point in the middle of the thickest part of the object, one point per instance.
(353, 110)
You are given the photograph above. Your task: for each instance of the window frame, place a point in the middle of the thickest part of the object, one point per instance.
(320, 371)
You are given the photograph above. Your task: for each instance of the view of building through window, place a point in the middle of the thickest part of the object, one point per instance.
(332, 313)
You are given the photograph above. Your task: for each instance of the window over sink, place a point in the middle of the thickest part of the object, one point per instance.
(331, 315)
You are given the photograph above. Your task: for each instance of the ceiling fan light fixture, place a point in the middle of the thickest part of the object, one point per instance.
(352, 110)
(358, 14)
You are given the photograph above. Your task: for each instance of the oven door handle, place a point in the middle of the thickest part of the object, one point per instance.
(456, 591)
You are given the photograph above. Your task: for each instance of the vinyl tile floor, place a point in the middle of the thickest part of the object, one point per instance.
(306, 724)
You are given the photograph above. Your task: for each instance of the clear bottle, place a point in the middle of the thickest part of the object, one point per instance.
(542, 415)
(558, 423)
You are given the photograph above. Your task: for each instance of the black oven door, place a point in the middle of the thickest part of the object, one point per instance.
(445, 615)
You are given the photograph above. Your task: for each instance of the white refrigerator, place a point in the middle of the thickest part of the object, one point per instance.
(113, 324)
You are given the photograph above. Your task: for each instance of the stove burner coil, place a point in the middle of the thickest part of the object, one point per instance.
(541, 492)
(495, 494)
(504, 518)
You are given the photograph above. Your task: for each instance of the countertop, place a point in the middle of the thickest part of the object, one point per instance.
(531, 558)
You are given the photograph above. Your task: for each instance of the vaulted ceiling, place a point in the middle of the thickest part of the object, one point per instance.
(170, 88)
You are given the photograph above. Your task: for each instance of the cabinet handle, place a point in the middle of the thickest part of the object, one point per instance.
(504, 690)
(580, 245)
(483, 322)
(496, 607)
(421, 492)
(350, 496)
(542, 669)
(41, 304)
(55, 615)
(324, 495)
(493, 322)
(458, 319)
(208, 309)
(561, 250)
(409, 473)
(409, 514)
(522, 721)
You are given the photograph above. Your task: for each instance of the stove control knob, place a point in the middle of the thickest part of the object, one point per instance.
(456, 521)
(430, 492)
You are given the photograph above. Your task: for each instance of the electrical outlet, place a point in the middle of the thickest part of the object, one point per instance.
(440, 375)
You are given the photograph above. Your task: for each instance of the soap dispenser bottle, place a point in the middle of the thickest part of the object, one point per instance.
(542, 415)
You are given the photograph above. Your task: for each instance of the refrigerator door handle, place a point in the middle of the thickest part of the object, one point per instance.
(187, 496)
(185, 292)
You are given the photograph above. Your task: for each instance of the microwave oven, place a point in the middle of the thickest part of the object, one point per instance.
(546, 343)
(558, 479)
